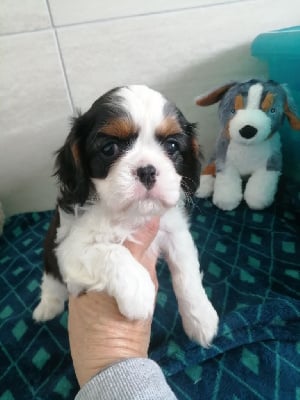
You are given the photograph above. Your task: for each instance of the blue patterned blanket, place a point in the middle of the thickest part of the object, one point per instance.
(251, 273)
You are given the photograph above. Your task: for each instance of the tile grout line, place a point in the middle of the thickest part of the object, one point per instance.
(36, 30)
(121, 17)
(62, 63)
(150, 13)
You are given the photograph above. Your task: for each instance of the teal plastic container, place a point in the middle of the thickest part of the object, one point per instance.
(281, 50)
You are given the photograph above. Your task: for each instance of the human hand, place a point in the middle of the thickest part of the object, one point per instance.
(99, 334)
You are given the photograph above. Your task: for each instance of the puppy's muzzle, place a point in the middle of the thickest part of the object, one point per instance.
(248, 131)
(147, 176)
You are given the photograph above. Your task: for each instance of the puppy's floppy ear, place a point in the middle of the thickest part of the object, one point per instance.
(192, 162)
(214, 96)
(290, 109)
(70, 167)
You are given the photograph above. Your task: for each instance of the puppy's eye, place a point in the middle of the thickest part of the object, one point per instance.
(272, 111)
(171, 146)
(232, 111)
(110, 150)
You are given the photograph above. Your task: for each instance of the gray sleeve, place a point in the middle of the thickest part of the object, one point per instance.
(134, 378)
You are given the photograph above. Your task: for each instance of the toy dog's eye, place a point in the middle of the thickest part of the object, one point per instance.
(272, 110)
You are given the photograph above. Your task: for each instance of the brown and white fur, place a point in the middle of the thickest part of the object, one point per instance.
(132, 155)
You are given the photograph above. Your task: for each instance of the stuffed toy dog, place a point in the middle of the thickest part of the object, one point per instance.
(249, 145)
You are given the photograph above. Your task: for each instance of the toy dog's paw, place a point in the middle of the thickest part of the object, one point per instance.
(136, 298)
(261, 188)
(206, 186)
(258, 201)
(228, 190)
(202, 325)
(226, 200)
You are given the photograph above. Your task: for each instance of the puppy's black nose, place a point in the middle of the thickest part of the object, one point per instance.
(248, 131)
(147, 175)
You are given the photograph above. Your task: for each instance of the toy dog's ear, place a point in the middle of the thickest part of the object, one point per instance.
(290, 110)
(214, 96)
(70, 170)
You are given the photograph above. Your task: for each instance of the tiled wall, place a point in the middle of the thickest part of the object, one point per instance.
(60, 55)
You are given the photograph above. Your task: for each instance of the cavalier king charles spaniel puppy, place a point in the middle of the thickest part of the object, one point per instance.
(131, 156)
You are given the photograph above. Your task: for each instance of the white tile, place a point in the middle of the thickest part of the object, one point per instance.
(182, 54)
(69, 11)
(33, 118)
(22, 16)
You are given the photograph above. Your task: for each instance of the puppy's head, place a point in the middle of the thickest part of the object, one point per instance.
(250, 112)
(133, 149)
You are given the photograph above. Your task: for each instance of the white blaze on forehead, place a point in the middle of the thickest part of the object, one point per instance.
(145, 107)
(254, 96)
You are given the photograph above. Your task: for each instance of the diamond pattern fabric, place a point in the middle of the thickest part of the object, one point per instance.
(251, 265)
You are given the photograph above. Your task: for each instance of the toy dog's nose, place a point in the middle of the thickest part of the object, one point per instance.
(147, 175)
(248, 131)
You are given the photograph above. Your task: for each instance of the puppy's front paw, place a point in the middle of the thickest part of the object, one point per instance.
(201, 325)
(137, 296)
(48, 309)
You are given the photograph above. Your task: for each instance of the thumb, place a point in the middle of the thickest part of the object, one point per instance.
(143, 238)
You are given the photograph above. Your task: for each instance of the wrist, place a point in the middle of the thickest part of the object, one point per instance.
(100, 340)
(110, 352)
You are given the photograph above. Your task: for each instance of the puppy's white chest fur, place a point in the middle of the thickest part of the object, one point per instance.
(96, 231)
(91, 257)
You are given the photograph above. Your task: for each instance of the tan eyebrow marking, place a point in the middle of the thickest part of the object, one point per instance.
(268, 102)
(119, 127)
(239, 102)
(169, 126)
